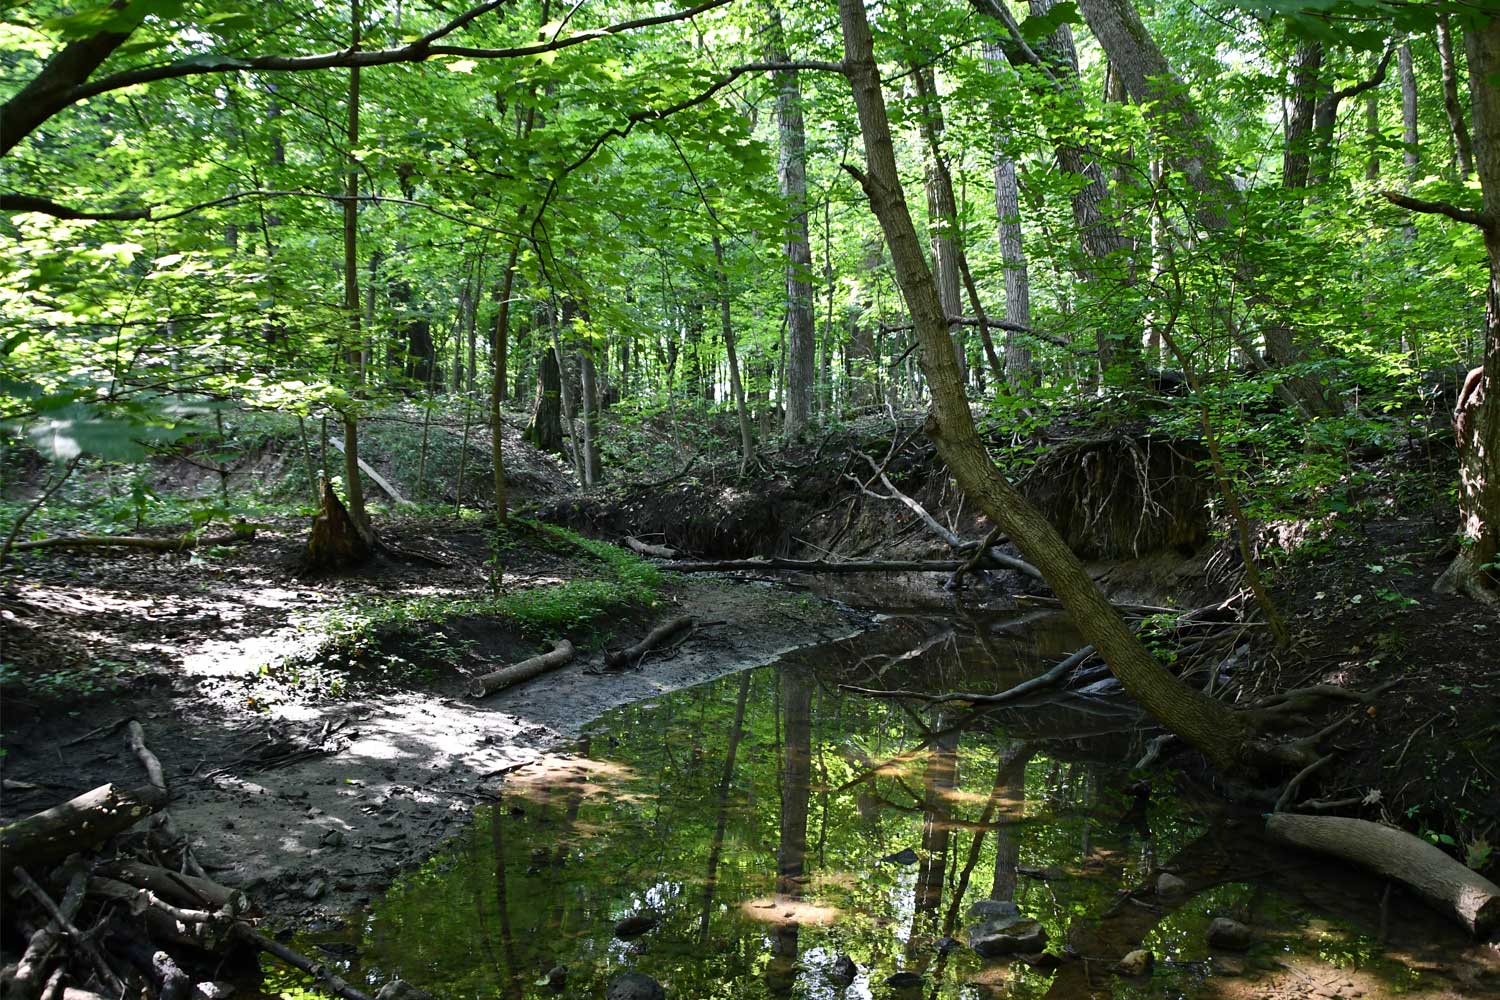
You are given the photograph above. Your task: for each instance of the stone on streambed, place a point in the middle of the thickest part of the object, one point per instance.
(1229, 934)
(1168, 884)
(1007, 936)
(400, 989)
(993, 909)
(843, 972)
(634, 986)
(1137, 963)
(635, 925)
(905, 856)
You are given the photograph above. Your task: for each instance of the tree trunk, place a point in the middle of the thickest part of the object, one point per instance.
(1307, 66)
(1411, 154)
(499, 353)
(801, 363)
(942, 211)
(1463, 150)
(1013, 255)
(354, 357)
(545, 431)
(1205, 723)
(590, 402)
(736, 388)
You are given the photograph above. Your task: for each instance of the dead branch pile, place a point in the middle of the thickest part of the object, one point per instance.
(107, 910)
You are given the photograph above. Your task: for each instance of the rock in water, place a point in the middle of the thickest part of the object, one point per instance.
(1046, 961)
(947, 944)
(1137, 963)
(905, 856)
(903, 980)
(400, 989)
(635, 925)
(1007, 936)
(843, 972)
(993, 909)
(634, 986)
(1226, 933)
(557, 977)
(1168, 884)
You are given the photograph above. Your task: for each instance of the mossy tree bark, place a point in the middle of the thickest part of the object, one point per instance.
(1208, 725)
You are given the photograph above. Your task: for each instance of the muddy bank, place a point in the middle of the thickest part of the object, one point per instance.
(305, 776)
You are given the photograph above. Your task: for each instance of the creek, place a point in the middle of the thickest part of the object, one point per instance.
(769, 823)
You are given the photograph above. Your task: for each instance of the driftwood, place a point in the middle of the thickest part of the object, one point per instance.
(1466, 895)
(185, 890)
(89, 819)
(525, 670)
(137, 741)
(630, 656)
(166, 543)
(1052, 677)
(65, 923)
(818, 566)
(639, 547)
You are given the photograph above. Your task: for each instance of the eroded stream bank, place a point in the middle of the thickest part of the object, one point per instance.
(742, 837)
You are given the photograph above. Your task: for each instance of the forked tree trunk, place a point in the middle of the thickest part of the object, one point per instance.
(1205, 723)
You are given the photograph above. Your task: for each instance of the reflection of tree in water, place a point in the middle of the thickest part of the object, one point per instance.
(796, 787)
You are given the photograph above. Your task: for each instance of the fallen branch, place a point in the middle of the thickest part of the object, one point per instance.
(1048, 679)
(170, 543)
(137, 741)
(818, 566)
(187, 890)
(639, 547)
(1291, 786)
(65, 923)
(47, 837)
(525, 670)
(375, 477)
(23, 981)
(630, 656)
(1463, 893)
(297, 960)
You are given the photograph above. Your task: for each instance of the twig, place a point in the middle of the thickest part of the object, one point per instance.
(1302, 775)
(1047, 679)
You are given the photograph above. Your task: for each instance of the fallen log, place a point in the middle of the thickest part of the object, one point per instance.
(84, 943)
(1052, 677)
(525, 670)
(47, 837)
(141, 900)
(639, 547)
(167, 543)
(818, 566)
(137, 742)
(631, 655)
(1469, 897)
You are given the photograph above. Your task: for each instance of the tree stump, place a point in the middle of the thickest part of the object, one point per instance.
(336, 541)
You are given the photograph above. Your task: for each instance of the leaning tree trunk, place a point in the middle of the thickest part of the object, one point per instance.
(736, 386)
(1205, 723)
(801, 360)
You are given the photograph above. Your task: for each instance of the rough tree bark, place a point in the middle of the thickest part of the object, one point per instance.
(354, 354)
(1012, 254)
(801, 359)
(1207, 724)
(942, 209)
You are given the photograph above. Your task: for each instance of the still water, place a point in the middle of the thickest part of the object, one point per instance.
(767, 824)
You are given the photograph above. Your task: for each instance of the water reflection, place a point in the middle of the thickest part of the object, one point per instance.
(771, 826)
